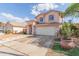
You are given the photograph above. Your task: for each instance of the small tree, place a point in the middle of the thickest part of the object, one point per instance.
(66, 30)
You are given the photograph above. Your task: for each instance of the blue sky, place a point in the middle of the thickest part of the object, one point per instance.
(26, 11)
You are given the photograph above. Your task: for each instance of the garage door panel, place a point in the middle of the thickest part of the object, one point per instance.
(46, 31)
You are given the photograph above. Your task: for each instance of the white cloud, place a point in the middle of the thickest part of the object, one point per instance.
(11, 17)
(37, 9)
(34, 12)
(26, 19)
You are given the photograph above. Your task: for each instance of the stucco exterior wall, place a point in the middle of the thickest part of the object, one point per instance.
(38, 17)
(57, 17)
(17, 29)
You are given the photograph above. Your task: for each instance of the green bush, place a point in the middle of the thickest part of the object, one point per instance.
(66, 30)
(24, 33)
(69, 30)
(71, 52)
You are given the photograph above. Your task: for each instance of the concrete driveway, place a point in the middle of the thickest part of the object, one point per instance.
(27, 45)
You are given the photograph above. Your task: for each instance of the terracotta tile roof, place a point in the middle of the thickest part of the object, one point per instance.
(30, 22)
(7, 24)
(40, 14)
(44, 13)
(17, 24)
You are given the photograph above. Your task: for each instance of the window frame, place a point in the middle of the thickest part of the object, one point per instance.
(51, 17)
(41, 20)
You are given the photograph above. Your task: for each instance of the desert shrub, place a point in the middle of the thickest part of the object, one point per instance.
(69, 30)
(7, 31)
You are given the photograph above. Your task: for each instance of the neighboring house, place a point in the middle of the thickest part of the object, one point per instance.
(1, 27)
(45, 24)
(18, 27)
(8, 27)
(13, 27)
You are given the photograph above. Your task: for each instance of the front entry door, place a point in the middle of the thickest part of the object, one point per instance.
(30, 31)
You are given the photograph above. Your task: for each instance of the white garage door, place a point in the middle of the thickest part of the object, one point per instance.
(17, 29)
(46, 31)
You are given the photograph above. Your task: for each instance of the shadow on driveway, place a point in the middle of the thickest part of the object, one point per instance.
(43, 40)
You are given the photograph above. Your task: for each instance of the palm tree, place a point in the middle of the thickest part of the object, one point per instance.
(72, 10)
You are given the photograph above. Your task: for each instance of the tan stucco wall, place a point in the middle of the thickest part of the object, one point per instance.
(38, 17)
(48, 25)
(57, 17)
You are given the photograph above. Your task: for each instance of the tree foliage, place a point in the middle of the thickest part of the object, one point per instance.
(73, 10)
(66, 30)
(69, 29)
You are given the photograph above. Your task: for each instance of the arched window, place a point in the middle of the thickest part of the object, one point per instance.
(51, 17)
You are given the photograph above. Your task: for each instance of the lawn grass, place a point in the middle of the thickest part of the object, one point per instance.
(71, 52)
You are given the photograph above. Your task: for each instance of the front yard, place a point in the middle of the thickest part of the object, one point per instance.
(68, 42)
(30, 44)
(71, 52)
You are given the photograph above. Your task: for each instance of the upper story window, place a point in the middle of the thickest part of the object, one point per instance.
(51, 17)
(41, 20)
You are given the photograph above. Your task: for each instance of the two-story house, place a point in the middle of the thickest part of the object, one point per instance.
(48, 23)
